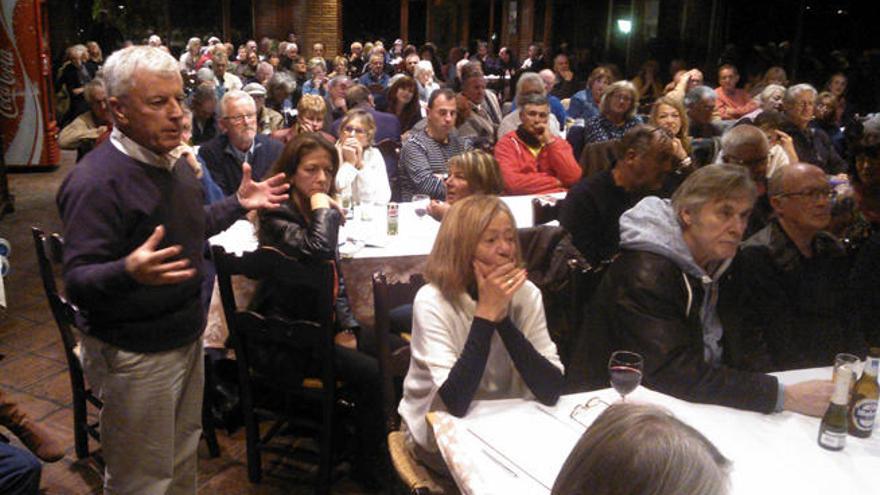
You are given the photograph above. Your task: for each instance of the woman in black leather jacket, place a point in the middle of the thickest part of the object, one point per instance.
(306, 228)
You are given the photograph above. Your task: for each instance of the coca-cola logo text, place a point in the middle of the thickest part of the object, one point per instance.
(8, 105)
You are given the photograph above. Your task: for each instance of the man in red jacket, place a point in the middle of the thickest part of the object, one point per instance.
(532, 159)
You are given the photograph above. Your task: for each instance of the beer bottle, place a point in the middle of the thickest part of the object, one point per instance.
(863, 407)
(832, 430)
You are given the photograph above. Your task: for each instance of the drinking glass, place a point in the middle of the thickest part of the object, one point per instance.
(625, 369)
(849, 361)
(420, 202)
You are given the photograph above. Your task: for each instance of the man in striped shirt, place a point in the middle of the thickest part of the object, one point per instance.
(422, 165)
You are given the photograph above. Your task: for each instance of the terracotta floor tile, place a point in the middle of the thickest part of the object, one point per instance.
(55, 388)
(24, 369)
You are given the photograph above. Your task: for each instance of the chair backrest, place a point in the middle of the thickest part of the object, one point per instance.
(265, 344)
(50, 253)
(387, 296)
(390, 151)
(545, 209)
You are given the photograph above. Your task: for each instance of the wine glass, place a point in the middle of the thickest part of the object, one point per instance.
(625, 369)
(420, 202)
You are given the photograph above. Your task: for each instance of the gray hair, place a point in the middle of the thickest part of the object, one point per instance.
(317, 61)
(793, 92)
(713, 182)
(533, 99)
(768, 92)
(90, 88)
(340, 79)
(281, 79)
(739, 137)
(203, 93)
(616, 87)
(698, 94)
(528, 79)
(232, 96)
(423, 66)
(76, 51)
(120, 68)
(192, 41)
(633, 446)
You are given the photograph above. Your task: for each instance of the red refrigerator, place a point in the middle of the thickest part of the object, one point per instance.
(27, 115)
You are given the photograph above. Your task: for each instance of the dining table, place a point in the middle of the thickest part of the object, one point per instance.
(519, 445)
(366, 248)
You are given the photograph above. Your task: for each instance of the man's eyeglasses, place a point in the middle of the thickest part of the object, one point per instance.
(238, 119)
(813, 194)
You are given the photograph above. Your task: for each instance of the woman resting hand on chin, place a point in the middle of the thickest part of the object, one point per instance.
(479, 330)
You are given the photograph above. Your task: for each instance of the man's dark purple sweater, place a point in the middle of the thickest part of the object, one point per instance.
(110, 204)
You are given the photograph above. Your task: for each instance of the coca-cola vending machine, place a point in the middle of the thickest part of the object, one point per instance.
(27, 115)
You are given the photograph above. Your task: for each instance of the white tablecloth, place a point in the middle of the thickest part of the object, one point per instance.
(366, 248)
(518, 446)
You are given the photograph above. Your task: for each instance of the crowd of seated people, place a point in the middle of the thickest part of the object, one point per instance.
(709, 206)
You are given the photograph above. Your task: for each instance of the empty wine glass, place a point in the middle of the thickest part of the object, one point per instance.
(625, 369)
(420, 202)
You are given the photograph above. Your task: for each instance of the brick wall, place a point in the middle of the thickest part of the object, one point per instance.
(312, 20)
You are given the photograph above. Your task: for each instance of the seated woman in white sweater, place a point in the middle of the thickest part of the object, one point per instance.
(362, 174)
(479, 330)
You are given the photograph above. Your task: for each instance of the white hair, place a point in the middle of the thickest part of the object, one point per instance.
(154, 40)
(768, 92)
(423, 66)
(232, 96)
(792, 93)
(192, 42)
(120, 68)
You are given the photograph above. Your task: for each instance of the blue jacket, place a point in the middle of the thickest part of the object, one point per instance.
(225, 167)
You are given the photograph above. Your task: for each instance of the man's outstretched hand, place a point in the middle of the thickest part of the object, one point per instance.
(150, 266)
(270, 193)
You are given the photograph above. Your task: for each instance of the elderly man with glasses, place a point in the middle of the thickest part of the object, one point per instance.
(239, 143)
(787, 287)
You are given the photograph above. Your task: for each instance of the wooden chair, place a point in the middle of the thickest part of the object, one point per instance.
(50, 250)
(387, 296)
(545, 209)
(584, 279)
(271, 384)
(415, 477)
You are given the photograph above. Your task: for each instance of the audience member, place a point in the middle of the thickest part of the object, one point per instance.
(565, 85)
(306, 227)
(585, 103)
(837, 85)
(788, 282)
(479, 330)
(617, 114)
(310, 117)
(669, 113)
(424, 75)
(864, 280)
(485, 111)
(190, 57)
(647, 82)
(731, 102)
(529, 83)
(700, 104)
(532, 159)
(826, 114)
(84, 131)
(592, 208)
(683, 82)
(642, 449)
(782, 152)
(403, 102)
(659, 298)
(472, 172)
(268, 120)
(556, 108)
(769, 99)
(375, 78)
(534, 61)
(225, 80)
(204, 109)
(812, 145)
(316, 83)
(747, 146)
(424, 156)
(387, 124)
(281, 96)
(72, 78)
(362, 174)
(335, 99)
(134, 233)
(238, 144)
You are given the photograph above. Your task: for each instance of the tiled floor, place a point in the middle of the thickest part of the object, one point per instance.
(34, 372)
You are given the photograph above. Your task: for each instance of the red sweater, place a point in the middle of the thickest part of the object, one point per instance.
(553, 170)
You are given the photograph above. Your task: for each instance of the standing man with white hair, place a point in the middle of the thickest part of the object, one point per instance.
(239, 143)
(134, 229)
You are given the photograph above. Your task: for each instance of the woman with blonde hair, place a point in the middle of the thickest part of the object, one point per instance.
(309, 118)
(479, 330)
(669, 113)
(362, 175)
(639, 449)
(472, 172)
(617, 114)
